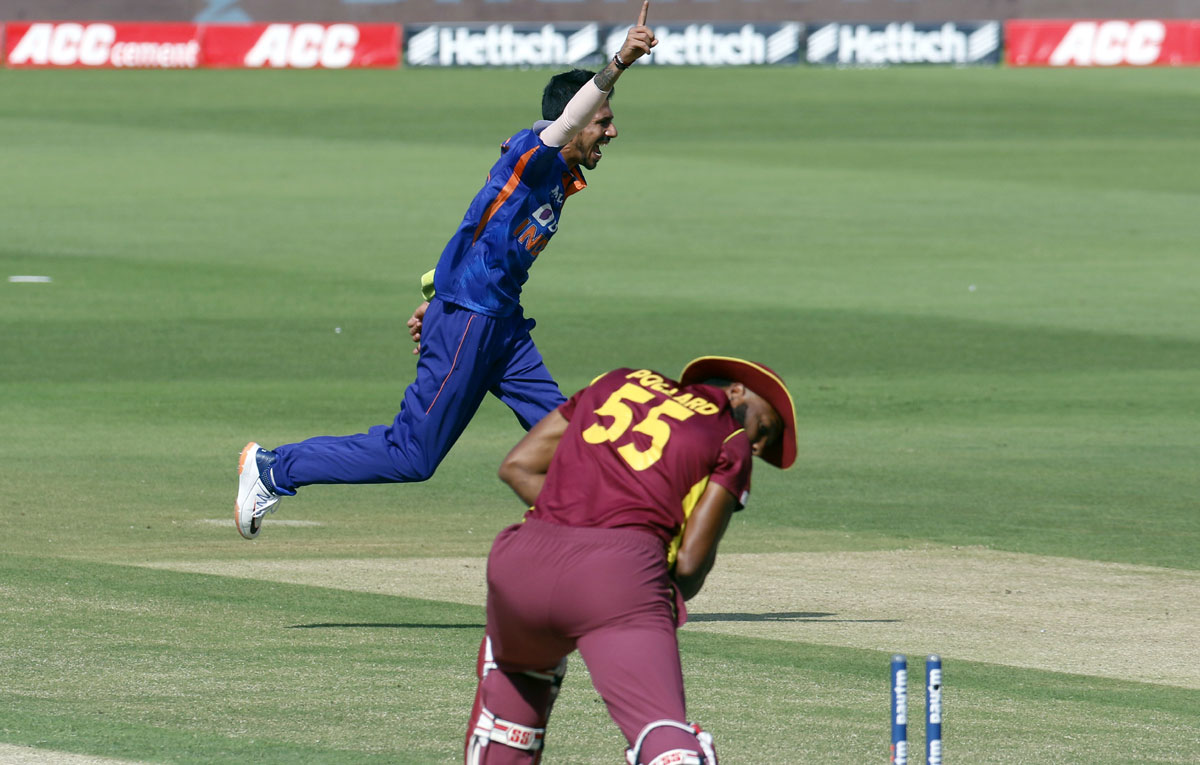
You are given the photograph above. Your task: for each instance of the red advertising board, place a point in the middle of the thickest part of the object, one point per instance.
(1102, 42)
(301, 46)
(102, 44)
(159, 45)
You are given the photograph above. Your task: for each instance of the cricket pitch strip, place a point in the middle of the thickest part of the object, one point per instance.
(1064, 615)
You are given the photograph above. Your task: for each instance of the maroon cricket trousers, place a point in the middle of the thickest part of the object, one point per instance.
(552, 589)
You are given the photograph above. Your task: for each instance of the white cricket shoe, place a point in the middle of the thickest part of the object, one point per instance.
(256, 496)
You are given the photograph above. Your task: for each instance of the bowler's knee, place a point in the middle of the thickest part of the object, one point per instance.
(413, 465)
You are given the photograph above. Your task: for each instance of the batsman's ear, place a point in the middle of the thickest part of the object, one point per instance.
(766, 383)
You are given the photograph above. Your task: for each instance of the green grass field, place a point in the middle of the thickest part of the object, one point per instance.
(982, 285)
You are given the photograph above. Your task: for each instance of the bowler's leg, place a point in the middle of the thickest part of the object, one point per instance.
(525, 384)
(362, 458)
(452, 374)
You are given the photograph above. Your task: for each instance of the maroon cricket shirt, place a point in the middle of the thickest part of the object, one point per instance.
(639, 452)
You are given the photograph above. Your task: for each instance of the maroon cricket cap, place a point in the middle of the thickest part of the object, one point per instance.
(762, 380)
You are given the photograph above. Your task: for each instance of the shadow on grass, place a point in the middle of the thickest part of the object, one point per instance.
(385, 625)
(783, 616)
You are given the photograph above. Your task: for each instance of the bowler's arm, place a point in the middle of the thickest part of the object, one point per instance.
(705, 527)
(583, 105)
(524, 469)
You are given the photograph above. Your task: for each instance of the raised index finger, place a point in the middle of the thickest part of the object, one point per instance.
(645, 11)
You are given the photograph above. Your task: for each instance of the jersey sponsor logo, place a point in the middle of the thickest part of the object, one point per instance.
(530, 237)
(534, 232)
(904, 43)
(70, 44)
(501, 45)
(718, 44)
(544, 217)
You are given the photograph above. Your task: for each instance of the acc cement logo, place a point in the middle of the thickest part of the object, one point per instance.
(905, 43)
(501, 45)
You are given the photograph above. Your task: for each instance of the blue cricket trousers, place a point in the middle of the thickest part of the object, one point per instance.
(464, 356)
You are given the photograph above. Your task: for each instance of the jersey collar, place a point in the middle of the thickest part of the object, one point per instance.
(574, 181)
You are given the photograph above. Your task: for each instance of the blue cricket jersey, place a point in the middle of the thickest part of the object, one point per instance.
(508, 224)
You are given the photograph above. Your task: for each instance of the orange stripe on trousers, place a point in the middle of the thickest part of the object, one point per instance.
(453, 364)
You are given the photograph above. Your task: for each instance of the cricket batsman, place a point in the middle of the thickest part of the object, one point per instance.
(631, 484)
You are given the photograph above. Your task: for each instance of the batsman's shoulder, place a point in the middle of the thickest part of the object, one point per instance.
(620, 372)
